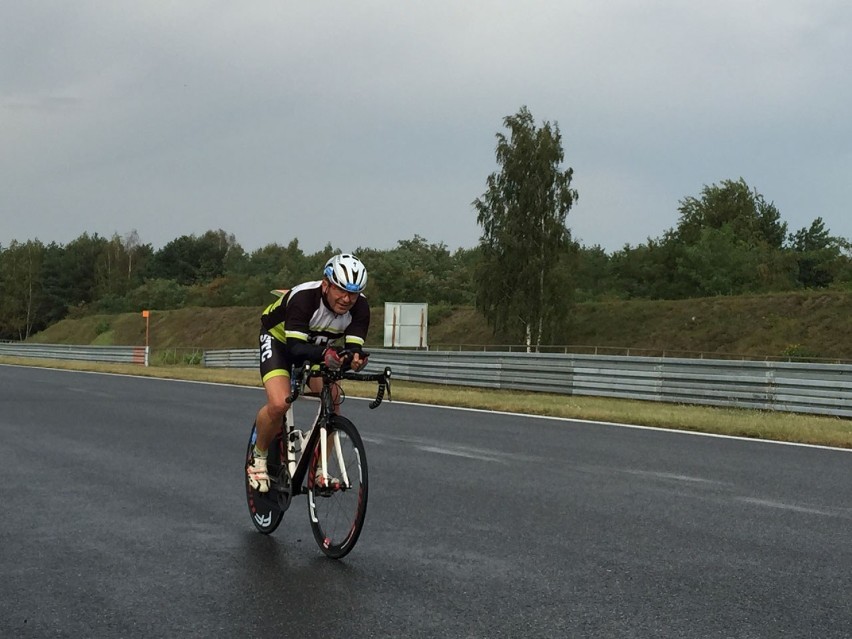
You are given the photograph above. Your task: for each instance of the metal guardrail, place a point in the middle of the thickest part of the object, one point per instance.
(232, 358)
(117, 354)
(585, 349)
(820, 389)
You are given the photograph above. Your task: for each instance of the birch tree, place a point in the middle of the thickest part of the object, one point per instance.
(522, 214)
(21, 287)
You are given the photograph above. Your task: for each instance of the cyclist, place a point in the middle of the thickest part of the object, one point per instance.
(304, 324)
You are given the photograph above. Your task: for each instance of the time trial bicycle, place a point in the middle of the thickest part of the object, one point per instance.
(327, 463)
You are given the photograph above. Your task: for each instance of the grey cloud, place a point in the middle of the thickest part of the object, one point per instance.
(375, 121)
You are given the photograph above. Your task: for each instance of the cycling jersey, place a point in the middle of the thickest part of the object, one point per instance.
(299, 326)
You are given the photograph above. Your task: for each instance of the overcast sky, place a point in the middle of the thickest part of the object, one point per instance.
(362, 123)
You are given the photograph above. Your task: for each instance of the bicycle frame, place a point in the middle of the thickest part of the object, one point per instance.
(297, 463)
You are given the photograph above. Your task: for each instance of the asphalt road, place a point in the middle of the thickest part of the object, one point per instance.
(122, 514)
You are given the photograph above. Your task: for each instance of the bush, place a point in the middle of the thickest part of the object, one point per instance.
(798, 351)
(102, 327)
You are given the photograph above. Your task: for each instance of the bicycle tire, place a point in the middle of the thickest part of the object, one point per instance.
(265, 513)
(337, 514)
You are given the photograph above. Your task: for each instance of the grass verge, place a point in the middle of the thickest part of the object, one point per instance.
(787, 427)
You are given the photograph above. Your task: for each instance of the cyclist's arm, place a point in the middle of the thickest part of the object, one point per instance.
(301, 351)
(356, 332)
(301, 306)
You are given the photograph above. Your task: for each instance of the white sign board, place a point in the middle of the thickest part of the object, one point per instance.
(405, 325)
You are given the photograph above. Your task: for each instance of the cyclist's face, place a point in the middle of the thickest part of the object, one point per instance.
(339, 300)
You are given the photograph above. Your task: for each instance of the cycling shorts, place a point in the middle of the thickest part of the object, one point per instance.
(273, 358)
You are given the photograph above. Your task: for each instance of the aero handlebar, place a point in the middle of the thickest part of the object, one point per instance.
(308, 370)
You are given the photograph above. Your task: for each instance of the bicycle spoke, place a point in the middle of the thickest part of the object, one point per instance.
(337, 509)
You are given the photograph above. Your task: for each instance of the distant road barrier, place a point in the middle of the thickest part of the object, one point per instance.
(118, 354)
(820, 389)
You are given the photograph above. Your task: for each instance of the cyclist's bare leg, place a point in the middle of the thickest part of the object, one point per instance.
(271, 414)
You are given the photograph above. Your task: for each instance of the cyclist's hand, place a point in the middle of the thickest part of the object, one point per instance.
(332, 360)
(359, 361)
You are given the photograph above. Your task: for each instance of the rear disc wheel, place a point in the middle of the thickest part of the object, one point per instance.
(264, 511)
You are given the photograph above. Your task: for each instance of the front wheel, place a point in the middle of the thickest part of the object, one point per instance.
(337, 506)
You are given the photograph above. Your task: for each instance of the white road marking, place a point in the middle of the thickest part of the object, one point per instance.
(674, 476)
(455, 452)
(782, 506)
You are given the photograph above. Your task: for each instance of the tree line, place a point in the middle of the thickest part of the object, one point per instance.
(728, 241)
(705, 255)
(524, 274)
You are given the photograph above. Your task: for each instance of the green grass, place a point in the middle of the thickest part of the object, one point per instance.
(787, 427)
(802, 325)
(806, 325)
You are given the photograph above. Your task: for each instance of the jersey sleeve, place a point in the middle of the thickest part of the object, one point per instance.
(300, 308)
(356, 332)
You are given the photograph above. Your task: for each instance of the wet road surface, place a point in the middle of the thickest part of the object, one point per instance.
(123, 515)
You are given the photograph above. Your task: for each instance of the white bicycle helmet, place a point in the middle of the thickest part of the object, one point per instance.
(347, 272)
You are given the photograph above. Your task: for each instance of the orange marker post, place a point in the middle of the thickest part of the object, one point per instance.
(146, 315)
